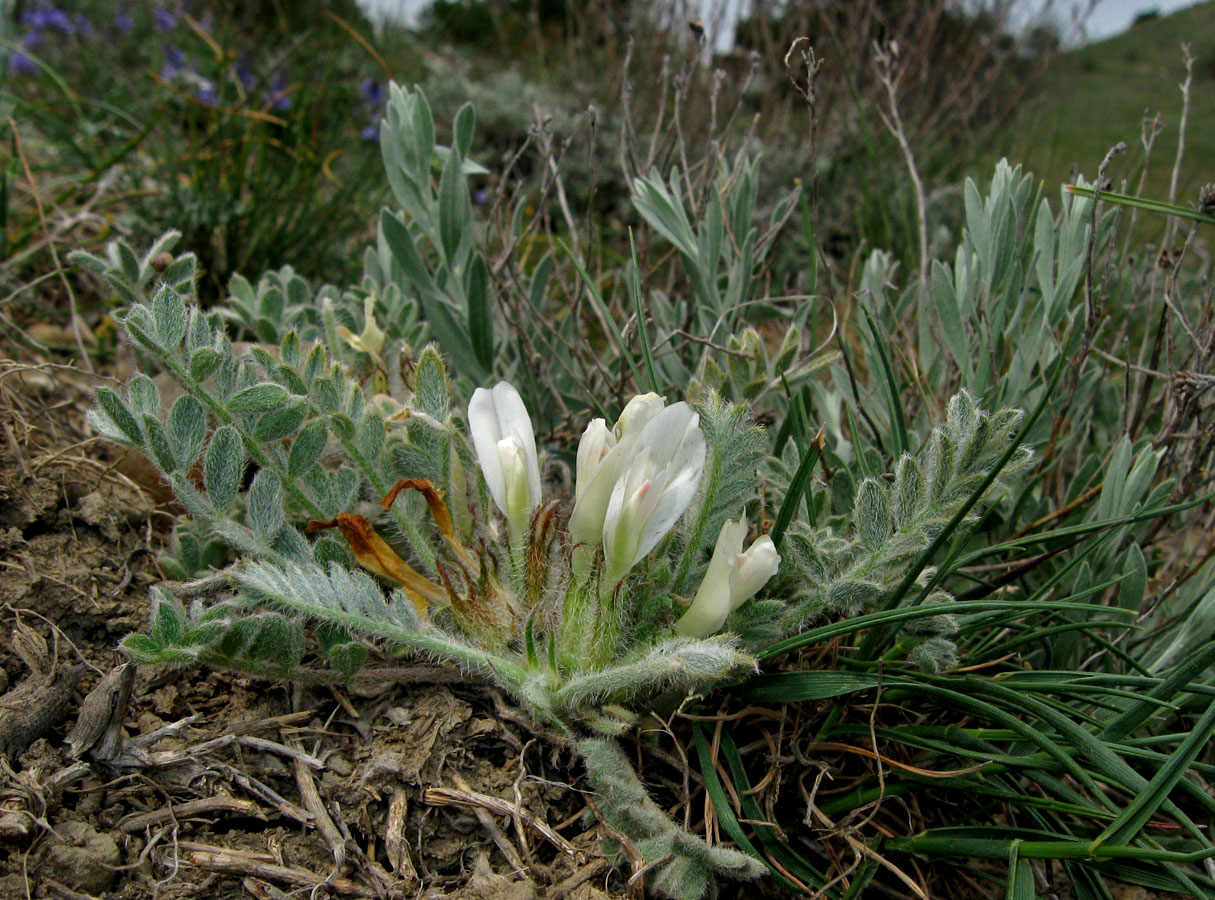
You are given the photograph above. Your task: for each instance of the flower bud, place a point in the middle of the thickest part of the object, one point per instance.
(506, 451)
(733, 578)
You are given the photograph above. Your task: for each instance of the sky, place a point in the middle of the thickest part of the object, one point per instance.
(1113, 16)
(1107, 19)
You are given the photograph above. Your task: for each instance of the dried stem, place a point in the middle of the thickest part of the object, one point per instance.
(886, 59)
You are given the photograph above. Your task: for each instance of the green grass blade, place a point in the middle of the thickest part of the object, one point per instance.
(1020, 876)
(797, 489)
(1137, 715)
(811, 244)
(632, 278)
(896, 616)
(1099, 753)
(898, 417)
(786, 687)
(722, 808)
(768, 836)
(1149, 799)
(1156, 206)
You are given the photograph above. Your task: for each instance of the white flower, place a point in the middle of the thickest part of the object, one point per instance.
(506, 449)
(603, 454)
(733, 578)
(661, 474)
(597, 442)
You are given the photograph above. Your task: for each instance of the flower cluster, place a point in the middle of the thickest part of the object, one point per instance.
(46, 24)
(48, 27)
(634, 480)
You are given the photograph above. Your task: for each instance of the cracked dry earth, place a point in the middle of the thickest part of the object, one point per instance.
(412, 781)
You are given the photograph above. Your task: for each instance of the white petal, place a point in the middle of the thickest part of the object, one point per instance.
(708, 611)
(497, 415)
(638, 412)
(514, 420)
(754, 569)
(624, 520)
(597, 441)
(670, 455)
(486, 432)
(672, 502)
(519, 504)
(711, 605)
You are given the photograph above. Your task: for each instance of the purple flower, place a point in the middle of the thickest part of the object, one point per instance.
(480, 196)
(124, 22)
(175, 61)
(164, 20)
(84, 27)
(20, 64)
(371, 132)
(278, 97)
(244, 74)
(208, 95)
(50, 18)
(372, 92)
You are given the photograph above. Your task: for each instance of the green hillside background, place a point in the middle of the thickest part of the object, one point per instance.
(1096, 95)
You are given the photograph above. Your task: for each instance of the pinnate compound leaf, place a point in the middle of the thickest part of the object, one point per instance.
(143, 395)
(347, 658)
(168, 618)
(198, 332)
(370, 435)
(1134, 579)
(853, 597)
(237, 638)
(480, 315)
(908, 490)
(466, 121)
(141, 327)
(272, 639)
(203, 363)
(346, 488)
(223, 467)
(452, 185)
(289, 350)
(872, 514)
(204, 635)
(141, 648)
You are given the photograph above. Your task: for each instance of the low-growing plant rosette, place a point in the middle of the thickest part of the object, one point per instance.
(590, 599)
